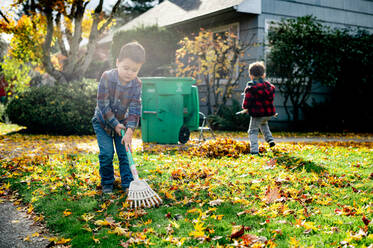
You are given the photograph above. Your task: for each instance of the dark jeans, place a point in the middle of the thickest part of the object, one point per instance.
(106, 145)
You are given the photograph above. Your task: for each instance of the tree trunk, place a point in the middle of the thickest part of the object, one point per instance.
(209, 106)
(46, 60)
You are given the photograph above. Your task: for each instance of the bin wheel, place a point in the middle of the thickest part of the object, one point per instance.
(184, 135)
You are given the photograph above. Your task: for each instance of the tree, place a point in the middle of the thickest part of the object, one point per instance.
(60, 22)
(215, 60)
(130, 9)
(298, 58)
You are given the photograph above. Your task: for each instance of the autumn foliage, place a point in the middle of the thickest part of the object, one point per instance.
(216, 61)
(44, 26)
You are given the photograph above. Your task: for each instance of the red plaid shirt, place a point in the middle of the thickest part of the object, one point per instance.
(259, 96)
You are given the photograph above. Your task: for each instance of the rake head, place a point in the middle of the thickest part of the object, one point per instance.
(141, 195)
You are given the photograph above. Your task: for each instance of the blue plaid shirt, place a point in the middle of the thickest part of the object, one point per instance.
(118, 103)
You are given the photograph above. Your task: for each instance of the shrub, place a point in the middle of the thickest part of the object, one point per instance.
(227, 119)
(159, 43)
(61, 109)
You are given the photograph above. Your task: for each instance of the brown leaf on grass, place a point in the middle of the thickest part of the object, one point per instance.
(237, 231)
(125, 244)
(365, 220)
(243, 212)
(305, 211)
(272, 194)
(270, 164)
(247, 211)
(249, 239)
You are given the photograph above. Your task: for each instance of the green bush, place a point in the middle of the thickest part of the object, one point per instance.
(228, 120)
(60, 109)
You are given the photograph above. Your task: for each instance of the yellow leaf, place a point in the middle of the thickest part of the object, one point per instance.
(87, 228)
(102, 223)
(86, 217)
(169, 195)
(198, 230)
(294, 242)
(175, 224)
(67, 212)
(309, 225)
(149, 221)
(63, 241)
(120, 231)
(97, 241)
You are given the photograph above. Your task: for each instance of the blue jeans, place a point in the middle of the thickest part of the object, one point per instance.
(106, 146)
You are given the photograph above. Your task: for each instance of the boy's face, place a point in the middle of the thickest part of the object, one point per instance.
(128, 69)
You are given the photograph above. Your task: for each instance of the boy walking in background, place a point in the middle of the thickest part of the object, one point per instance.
(118, 107)
(258, 102)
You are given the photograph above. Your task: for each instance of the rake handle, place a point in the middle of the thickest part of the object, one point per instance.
(131, 162)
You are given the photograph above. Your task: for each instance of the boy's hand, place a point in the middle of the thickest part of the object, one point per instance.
(127, 139)
(118, 128)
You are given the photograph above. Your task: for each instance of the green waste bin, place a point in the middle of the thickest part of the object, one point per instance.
(170, 109)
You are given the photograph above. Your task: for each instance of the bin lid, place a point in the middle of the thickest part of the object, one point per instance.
(169, 85)
(166, 79)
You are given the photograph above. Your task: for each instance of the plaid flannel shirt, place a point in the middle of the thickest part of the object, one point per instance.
(259, 96)
(118, 103)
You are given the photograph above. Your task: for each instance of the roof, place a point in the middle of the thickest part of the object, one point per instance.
(171, 12)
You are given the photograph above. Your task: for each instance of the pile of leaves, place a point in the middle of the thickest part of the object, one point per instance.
(222, 147)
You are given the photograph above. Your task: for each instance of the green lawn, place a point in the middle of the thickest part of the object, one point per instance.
(297, 195)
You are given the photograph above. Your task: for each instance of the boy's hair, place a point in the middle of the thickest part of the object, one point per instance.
(134, 51)
(257, 69)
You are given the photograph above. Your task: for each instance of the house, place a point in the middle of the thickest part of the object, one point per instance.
(248, 17)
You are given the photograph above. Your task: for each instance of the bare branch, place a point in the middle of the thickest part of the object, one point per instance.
(111, 16)
(5, 18)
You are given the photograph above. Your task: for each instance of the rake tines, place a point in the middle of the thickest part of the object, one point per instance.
(140, 194)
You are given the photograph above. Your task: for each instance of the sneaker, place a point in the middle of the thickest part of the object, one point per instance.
(272, 144)
(107, 189)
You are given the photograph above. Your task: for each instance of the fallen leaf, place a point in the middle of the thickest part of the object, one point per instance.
(365, 220)
(67, 212)
(249, 239)
(97, 241)
(237, 231)
(272, 194)
(216, 202)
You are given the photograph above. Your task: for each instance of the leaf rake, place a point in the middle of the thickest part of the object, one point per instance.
(140, 194)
